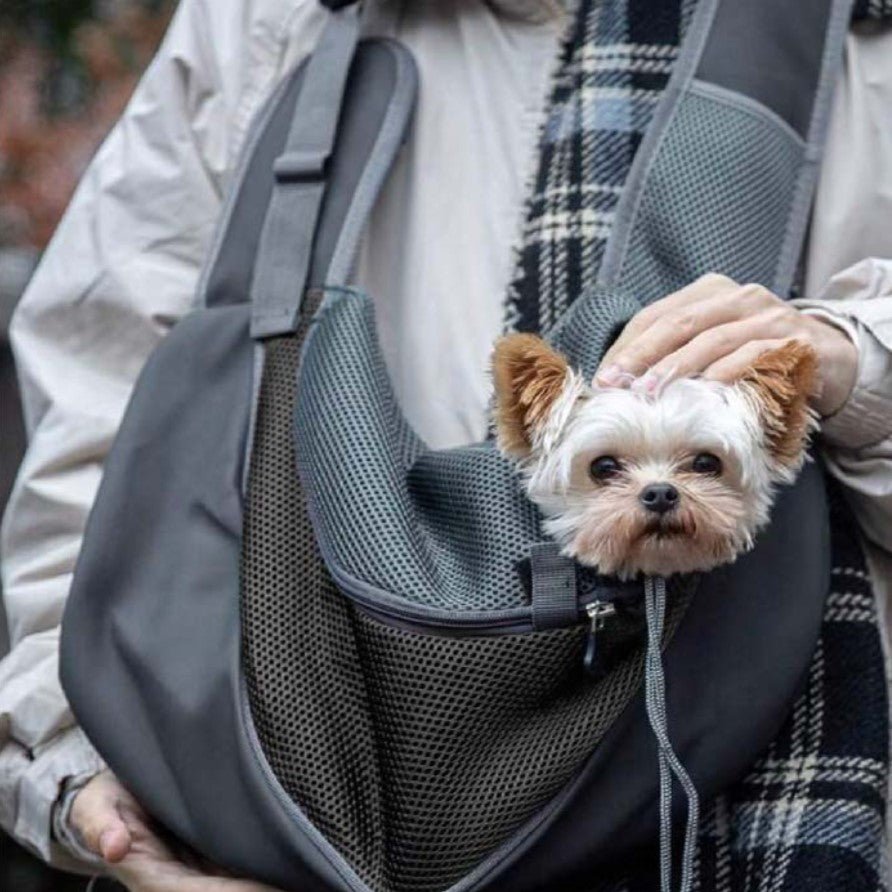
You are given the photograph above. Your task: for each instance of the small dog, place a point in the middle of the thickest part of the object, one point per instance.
(675, 481)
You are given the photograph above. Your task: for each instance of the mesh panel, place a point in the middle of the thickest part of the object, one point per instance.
(449, 532)
(443, 528)
(590, 326)
(415, 755)
(292, 622)
(474, 530)
(753, 166)
(474, 736)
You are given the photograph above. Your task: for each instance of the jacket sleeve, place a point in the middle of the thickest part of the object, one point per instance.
(857, 439)
(121, 269)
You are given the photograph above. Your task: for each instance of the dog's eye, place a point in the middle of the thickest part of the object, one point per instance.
(707, 463)
(603, 467)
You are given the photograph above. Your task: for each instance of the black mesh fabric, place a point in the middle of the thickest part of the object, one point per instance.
(302, 669)
(416, 755)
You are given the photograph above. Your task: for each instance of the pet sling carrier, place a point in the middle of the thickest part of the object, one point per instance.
(331, 658)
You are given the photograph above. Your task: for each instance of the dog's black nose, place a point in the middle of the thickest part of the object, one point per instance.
(659, 497)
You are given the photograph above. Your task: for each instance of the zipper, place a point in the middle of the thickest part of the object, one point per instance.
(385, 608)
(415, 617)
(419, 618)
(398, 611)
(469, 625)
(598, 612)
(509, 621)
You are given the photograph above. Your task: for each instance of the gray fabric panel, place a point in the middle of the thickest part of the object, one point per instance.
(791, 249)
(449, 530)
(150, 643)
(380, 91)
(770, 51)
(717, 199)
(554, 587)
(289, 228)
(397, 528)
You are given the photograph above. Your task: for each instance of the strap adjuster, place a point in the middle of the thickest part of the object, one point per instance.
(300, 166)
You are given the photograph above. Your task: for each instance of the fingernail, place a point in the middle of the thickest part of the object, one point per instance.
(648, 383)
(609, 376)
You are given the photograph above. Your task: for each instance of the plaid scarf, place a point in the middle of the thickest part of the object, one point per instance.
(810, 815)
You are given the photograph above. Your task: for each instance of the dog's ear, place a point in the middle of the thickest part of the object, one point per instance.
(782, 381)
(529, 377)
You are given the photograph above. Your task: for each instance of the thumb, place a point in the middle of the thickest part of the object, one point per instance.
(95, 817)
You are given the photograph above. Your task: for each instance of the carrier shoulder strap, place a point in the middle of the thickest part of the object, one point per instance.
(724, 177)
(311, 168)
(286, 241)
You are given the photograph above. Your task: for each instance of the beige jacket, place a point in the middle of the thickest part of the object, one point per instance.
(124, 264)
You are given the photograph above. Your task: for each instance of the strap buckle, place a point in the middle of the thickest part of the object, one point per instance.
(303, 166)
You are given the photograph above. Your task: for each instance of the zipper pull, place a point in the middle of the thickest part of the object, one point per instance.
(598, 613)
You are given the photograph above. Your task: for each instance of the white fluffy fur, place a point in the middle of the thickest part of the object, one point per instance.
(655, 437)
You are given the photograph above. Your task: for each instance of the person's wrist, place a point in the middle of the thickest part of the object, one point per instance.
(838, 370)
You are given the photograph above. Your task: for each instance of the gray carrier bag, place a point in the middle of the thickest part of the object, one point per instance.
(329, 657)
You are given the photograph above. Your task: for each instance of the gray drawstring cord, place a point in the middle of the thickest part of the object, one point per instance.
(669, 764)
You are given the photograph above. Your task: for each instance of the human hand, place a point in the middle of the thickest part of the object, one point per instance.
(113, 826)
(715, 327)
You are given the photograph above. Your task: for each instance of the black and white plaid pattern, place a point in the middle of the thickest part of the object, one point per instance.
(810, 815)
(872, 9)
(615, 61)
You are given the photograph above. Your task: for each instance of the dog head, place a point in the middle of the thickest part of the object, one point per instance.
(669, 482)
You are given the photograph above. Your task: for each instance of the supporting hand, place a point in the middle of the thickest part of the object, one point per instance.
(113, 825)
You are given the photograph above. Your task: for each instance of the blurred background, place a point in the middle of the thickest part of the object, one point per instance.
(67, 68)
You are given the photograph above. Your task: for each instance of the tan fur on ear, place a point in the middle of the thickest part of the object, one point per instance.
(528, 376)
(783, 381)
